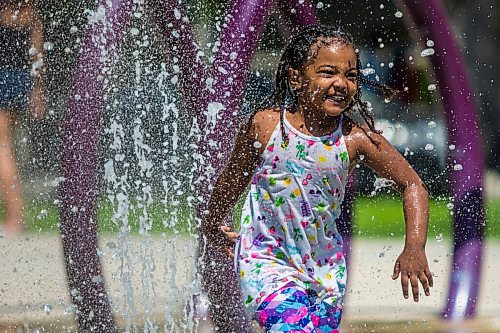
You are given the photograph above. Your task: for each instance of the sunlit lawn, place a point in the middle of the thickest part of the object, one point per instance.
(379, 216)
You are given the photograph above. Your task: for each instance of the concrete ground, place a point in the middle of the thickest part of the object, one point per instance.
(34, 296)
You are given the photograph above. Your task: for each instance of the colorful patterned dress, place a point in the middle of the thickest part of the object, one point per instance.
(288, 230)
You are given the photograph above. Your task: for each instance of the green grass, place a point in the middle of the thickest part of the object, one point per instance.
(379, 216)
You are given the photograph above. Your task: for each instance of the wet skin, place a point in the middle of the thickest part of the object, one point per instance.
(325, 87)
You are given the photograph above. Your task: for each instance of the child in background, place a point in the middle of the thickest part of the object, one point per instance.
(297, 154)
(21, 88)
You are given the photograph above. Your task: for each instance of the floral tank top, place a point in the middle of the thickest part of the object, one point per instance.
(288, 230)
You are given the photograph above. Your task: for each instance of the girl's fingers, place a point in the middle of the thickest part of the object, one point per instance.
(404, 284)
(396, 270)
(414, 286)
(425, 283)
(230, 253)
(231, 235)
(428, 274)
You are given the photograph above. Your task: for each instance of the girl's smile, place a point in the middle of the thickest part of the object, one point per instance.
(327, 84)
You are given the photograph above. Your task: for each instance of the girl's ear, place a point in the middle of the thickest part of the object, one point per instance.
(294, 78)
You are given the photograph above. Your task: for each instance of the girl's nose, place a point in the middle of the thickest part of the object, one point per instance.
(340, 82)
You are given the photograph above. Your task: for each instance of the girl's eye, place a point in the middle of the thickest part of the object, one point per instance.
(328, 73)
(352, 76)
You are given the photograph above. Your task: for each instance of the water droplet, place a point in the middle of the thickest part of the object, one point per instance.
(47, 308)
(320, 5)
(381, 6)
(429, 135)
(97, 279)
(452, 147)
(439, 238)
(257, 144)
(43, 214)
(430, 43)
(367, 71)
(458, 167)
(427, 52)
(431, 87)
(431, 124)
(398, 14)
(48, 46)
(390, 64)
(429, 146)
(134, 31)
(70, 309)
(450, 205)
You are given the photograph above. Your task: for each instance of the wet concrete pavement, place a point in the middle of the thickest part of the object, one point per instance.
(34, 295)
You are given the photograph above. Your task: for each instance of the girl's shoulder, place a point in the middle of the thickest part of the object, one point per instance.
(260, 126)
(360, 139)
(353, 131)
(267, 117)
(264, 121)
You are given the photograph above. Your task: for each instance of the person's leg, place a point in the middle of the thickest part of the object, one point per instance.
(293, 309)
(9, 177)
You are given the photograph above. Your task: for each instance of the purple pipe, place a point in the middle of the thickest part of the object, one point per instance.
(230, 69)
(171, 17)
(237, 43)
(466, 159)
(79, 160)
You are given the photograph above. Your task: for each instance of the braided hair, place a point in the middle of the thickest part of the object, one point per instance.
(297, 54)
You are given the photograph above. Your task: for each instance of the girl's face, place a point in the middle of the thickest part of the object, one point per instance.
(327, 84)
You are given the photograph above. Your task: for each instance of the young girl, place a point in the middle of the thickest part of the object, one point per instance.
(298, 157)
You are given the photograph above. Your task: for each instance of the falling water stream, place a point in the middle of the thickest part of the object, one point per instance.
(149, 158)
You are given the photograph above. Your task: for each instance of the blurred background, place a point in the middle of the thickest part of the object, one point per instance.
(389, 48)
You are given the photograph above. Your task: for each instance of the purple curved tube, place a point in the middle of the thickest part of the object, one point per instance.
(230, 70)
(79, 160)
(467, 177)
(172, 17)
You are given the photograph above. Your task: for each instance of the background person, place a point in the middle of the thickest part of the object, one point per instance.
(21, 88)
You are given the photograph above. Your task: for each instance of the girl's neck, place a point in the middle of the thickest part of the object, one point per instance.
(314, 124)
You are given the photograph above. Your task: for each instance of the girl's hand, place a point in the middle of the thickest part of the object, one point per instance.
(413, 266)
(223, 238)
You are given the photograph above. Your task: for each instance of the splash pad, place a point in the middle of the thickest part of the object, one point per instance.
(207, 105)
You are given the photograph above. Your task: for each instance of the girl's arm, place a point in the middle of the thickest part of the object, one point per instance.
(234, 179)
(388, 163)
